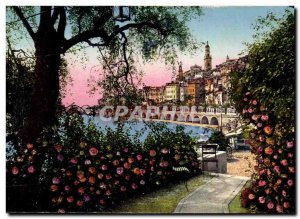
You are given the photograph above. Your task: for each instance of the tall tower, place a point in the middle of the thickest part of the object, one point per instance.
(180, 72)
(207, 58)
(227, 58)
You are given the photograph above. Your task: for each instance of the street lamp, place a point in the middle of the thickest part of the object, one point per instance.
(121, 13)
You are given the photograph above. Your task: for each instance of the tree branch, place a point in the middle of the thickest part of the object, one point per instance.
(55, 15)
(62, 22)
(45, 18)
(24, 21)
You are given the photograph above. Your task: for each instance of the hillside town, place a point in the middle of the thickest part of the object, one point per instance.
(197, 86)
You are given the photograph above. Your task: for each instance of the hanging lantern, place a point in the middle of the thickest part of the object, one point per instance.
(122, 13)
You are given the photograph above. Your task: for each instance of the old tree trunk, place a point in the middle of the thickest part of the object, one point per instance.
(46, 85)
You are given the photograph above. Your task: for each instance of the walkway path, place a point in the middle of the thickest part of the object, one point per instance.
(212, 197)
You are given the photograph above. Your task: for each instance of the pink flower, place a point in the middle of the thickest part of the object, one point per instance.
(115, 162)
(87, 162)
(284, 193)
(165, 163)
(70, 199)
(279, 209)
(259, 125)
(56, 180)
(80, 190)
(125, 150)
(290, 182)
(286, 205)
(127, 177)
(254, 102)
(60, 157)
(31, 169)
(102, 202)
(152, 168)
(130, 160)
(254, 117)
(262, 172)
(165, 150)
(264, 117)
(259, 149)
(152, 153)
(261, 199)
(104, 167)
(29, 146)
(268, 150)
(261, 138)
(251, 196)
(86, 197)
(120, 170)
(267, 191)
(284, 162)
(292, 169)
(142, 182)
(270, 205)
(245, 111)
(123, 188)
(126, 165)
(290, 155)
(277, 169)
(73, 161)
(108, 176)
(268, 130)
(250, 110)
(275, 156)
(58, 148)
(67, 188)
(15, 170)
(290, 144)
(93, 151)
(262, 183)
(79, 203)
(61, 211)
(142, 171)
(134, 186)
(139, 157)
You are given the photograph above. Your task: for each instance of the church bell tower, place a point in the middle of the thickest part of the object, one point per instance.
(207, 58)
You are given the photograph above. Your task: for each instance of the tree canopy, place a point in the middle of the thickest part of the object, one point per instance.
(270, 73)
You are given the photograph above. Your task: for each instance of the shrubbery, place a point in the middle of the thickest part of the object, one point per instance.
(273, 186)
(83, 169)
(264, 95)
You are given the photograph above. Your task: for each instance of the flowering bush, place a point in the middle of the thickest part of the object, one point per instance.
(273, 188)
(89, 170)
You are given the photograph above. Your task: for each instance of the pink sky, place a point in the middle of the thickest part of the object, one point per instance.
(156, 74)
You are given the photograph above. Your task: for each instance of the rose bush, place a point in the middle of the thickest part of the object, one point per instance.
(88, 170)
(272, 189)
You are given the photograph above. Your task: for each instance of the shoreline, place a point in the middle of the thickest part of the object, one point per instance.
(187, 123)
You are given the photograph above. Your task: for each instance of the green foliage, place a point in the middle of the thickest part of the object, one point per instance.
(270, 73)
(219, 138)
(264, 94)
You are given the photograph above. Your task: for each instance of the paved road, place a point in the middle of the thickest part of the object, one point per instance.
(212, 197)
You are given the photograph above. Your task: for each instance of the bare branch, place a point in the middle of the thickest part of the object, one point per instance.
(125, 57)
(24, 21)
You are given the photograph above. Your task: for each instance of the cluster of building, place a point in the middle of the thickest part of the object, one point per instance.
(197, 86)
